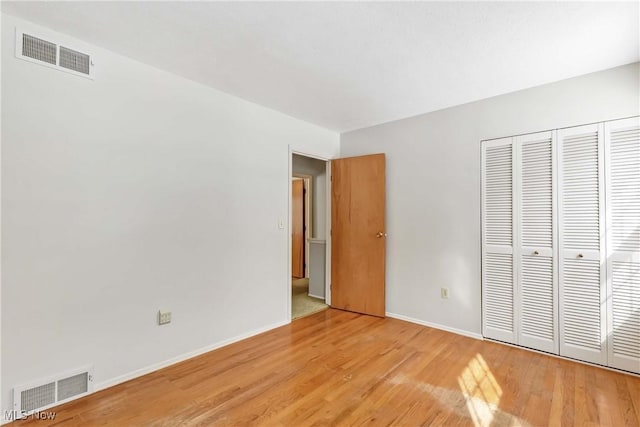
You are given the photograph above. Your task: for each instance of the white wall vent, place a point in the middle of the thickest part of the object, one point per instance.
(73, 60)
(39, 395)
(39, 49)
(33, 47)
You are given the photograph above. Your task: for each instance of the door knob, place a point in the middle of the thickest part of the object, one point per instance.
(381, 234)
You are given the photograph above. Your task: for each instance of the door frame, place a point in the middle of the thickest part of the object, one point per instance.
(327, 284)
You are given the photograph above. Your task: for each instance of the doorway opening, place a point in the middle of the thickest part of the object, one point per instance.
(308, 235)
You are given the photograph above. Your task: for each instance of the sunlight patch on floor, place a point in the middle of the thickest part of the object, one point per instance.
(477, 398)
(481, 391)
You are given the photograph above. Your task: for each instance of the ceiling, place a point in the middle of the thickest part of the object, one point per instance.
(348, 65)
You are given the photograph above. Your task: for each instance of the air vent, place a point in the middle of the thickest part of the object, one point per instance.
(38, 397)
(74, 60)
(69, 387)
(52, 391)
(39, 49)
(52, 51)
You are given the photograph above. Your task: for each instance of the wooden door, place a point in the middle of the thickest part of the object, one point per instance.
(297, 228)
(358, 234)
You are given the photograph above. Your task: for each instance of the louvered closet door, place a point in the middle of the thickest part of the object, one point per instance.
(581, 243)
(622, 154)
(497, 240)
(536, 290)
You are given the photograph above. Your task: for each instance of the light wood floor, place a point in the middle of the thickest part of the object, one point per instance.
(340, 368)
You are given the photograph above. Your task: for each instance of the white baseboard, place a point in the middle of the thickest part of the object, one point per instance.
(156, 366)
(316, 296)
(181, 358)
(436, 326)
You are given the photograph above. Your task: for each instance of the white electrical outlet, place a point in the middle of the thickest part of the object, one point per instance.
(444, 293)
(164, 317)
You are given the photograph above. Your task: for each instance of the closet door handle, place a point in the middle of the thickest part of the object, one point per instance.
(536, 252)
(580, 256)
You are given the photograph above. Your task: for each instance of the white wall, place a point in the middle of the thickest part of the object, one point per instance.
(433, 184)
(317, 169)
(136, 191)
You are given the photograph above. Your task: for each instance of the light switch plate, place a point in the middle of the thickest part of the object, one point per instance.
(164, 317)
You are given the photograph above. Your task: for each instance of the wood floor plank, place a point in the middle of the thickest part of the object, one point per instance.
(557, 396)
(341, 368)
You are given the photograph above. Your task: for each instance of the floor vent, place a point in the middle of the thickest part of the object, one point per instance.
(51, 53)
(43, 394)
